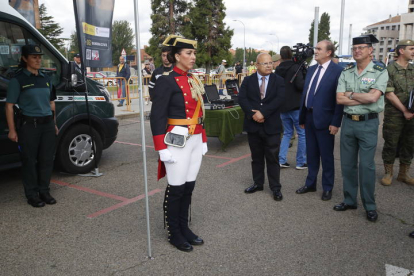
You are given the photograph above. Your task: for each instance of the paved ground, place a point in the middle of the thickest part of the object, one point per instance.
(98, 226)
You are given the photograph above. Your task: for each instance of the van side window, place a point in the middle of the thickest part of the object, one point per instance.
(12, 38)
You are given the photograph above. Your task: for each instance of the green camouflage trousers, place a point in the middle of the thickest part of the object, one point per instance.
(397, 128)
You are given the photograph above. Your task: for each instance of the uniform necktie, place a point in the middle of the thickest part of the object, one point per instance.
(312, 90)
(262, 88)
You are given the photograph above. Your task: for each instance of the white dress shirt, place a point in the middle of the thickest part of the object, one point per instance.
(323, 70)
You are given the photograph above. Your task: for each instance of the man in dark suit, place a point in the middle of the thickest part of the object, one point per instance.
(321, 117)
(261, 96)
(123, 71)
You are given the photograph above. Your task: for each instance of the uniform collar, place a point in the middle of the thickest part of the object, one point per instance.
(179, 71)
(399, 67)
(29, 74)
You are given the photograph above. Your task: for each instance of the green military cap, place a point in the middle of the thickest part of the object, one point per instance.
(406, 42)
(276, 57)
(31, 49)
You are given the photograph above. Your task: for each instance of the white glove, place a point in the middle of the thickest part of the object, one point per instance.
(166, 156)
(205, 148)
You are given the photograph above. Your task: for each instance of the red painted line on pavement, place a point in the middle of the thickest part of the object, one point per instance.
(122, 204)
(91, 191)
(233, 160)
(132, 144)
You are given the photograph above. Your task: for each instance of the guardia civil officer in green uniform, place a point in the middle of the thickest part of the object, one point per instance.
(360, 90)
(398, 120)
(33, 92)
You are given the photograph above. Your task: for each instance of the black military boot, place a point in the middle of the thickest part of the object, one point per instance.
(185, 206)
(172, 200)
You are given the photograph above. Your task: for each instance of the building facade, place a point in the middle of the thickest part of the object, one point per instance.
(388, 33)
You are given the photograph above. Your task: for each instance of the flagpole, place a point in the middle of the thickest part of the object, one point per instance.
(142, 119)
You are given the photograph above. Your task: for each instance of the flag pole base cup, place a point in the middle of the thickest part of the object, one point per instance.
(94, 173)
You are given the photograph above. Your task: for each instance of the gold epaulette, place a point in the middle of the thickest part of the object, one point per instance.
(379, 67)
(349, 66)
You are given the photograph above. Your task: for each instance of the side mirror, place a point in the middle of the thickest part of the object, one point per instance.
(75, 78)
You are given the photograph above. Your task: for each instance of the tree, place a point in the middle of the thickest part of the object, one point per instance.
(206, 25)
(49, 28)
(239, 55)
(168, 17)
(323, 28)
(122, 38)
(251, 55)
(74, 45)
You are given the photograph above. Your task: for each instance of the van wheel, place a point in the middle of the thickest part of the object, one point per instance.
(75, 153)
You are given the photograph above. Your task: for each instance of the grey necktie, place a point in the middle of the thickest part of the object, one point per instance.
(262, 88)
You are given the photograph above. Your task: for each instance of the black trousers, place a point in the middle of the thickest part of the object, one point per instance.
(265, 147)
(37, 147)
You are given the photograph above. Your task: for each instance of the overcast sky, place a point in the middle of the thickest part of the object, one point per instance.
(288, 20)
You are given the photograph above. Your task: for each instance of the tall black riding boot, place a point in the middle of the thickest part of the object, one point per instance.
(184, 210)
(172, 206)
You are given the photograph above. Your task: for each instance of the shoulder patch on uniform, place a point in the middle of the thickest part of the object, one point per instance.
(378, 67)
(349, 66)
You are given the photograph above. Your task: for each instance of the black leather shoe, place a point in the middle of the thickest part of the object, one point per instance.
(35, 202)
(326, 195)
(197, 241)
(186, 247)
(305, 189)
(277, 195)
(47, 198)
(253, 188)
(343, 207)
(411, 235)
(372, 215)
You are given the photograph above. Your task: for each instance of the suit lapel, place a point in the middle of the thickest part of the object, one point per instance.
(269, 85)
(309, 77)
(325, 76)
(256, 85)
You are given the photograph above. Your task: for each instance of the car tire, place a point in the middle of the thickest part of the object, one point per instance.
(74, 154)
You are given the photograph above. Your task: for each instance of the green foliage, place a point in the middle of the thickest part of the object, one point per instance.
(239, 55)
(206, 25)
(122, 38)
(168, 17)
(49, 28)
(251, 55)
(74, 45)
(323, 28)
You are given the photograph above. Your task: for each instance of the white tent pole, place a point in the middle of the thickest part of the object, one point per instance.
(141, 112)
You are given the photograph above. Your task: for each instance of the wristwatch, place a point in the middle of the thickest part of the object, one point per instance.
(350, 95)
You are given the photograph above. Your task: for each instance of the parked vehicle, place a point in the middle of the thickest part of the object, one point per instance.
(74, 148)
(102, 78)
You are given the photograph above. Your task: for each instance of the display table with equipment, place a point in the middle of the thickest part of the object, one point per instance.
(224, 124)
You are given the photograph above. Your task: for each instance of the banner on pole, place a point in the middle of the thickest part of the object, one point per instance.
(94, 27)
(29, 9)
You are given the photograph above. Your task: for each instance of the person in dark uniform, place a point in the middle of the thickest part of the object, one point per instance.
(36, 134)
(179, 137)
(164, 69)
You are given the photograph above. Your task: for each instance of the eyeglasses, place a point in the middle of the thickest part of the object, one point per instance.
(265, 63)
(359, 48)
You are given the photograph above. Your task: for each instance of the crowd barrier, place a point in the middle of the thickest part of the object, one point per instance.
(115, 85)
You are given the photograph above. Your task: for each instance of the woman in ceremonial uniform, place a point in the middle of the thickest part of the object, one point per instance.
(179, 137)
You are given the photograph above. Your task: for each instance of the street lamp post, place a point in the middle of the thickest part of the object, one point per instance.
(244, 45)
(272, 45)
(278, 47)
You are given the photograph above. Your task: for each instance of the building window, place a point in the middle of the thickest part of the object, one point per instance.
(387, 28)
(381, 50)
(393, 28)
(381, 57)
(381, 43)
(411, 2)
(411, 10)
(382, 28)
(390, 42)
